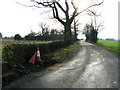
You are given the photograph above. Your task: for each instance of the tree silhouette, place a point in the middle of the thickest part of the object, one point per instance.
(17, 37)
(68, 19)
(0, 35)
(98, 26)
(44, 27)
(91, 30)
(75, 27)
(30, 36)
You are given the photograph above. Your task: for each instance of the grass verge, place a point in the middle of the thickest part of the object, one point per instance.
(59, 56)
(0, 47)
(0, 51)
(110, 45)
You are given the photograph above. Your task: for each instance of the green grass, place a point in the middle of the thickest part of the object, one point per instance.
(0, 50)
(62, 54)
(0, 47)
(110, 45)
(7, 39)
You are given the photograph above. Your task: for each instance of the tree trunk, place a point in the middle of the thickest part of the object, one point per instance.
(75, 33)
(96, 34)
(68, 34)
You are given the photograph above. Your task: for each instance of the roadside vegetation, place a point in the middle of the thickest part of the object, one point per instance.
(16, 58)
(0, 50)
(110, 45)
(0, 47)
(63, 53)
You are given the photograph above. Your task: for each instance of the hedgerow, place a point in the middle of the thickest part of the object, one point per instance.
(16, 54)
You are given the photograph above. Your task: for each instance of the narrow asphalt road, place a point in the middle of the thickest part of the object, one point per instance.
(91, 67)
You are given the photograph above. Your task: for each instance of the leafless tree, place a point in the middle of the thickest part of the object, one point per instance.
(44, 27)
(66, 21)
(75, 26)
(91, 30)
(98, 26)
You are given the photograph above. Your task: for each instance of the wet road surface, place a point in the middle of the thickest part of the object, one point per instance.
(91, 67)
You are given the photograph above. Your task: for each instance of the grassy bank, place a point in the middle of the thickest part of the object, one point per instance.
(110, 45)
(0, 50)
(0, 47)
(60, 55)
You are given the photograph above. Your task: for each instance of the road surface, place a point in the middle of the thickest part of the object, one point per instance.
(91, 67)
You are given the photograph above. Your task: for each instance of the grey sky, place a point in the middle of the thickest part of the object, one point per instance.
(15, 18)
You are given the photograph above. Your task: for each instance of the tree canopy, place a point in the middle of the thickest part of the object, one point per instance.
(17, 37)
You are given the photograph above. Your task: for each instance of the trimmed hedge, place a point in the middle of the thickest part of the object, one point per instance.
(16, 54)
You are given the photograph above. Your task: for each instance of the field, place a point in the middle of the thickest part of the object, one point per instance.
(10, 41)
(110, 45)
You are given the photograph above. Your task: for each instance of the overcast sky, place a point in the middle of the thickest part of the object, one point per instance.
(18, 19)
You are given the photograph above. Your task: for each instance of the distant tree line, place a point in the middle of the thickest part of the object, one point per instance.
(0, 35)
(107, 39)
(46, 35)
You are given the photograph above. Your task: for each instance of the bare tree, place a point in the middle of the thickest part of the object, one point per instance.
(91, 30)
(44, 27)
(68, 19)
(98, 26)
(75, 26)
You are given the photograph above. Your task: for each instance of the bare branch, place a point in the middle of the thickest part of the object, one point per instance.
(60, 7)
(93, 13)
(90, 7)
(101, 30)
(67, 6)
(28, 5)
(73, 5)
(46, 4)
(56, 15)
(73, 16)
(54, 8)
(98, 27)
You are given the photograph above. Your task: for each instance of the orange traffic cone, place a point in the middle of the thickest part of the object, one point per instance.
(32, 60)
(38, 55)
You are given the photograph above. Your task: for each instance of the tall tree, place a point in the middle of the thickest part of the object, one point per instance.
(75, 26)
(98, 26)
(0, 35)
(17, 37)
(91, 30)
(30, 36)
(68, 19)
(44, 27)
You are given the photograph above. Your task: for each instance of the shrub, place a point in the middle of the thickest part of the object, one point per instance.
(16, 54)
